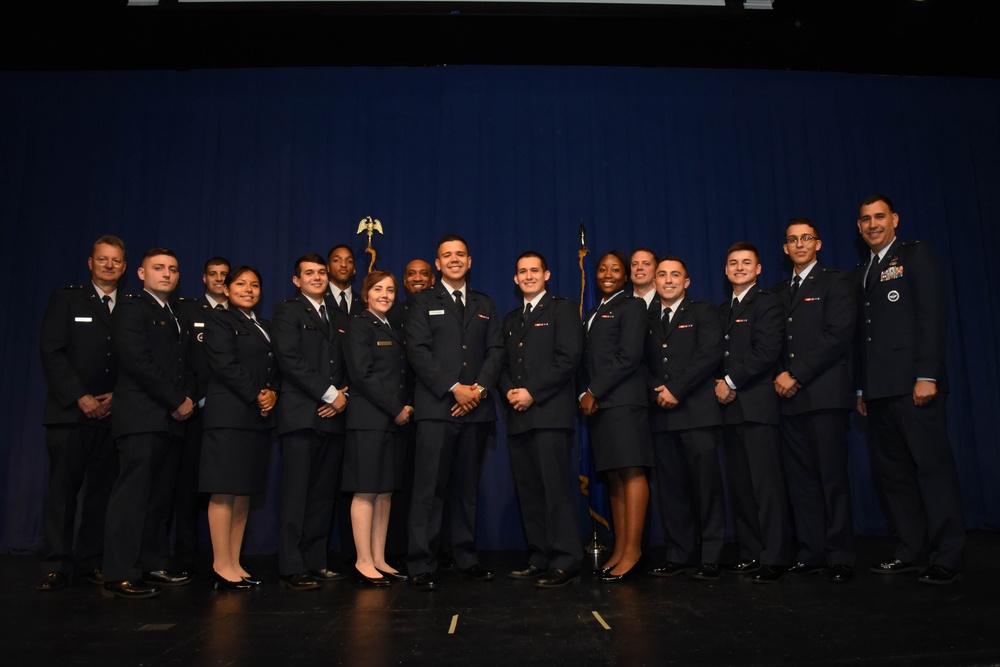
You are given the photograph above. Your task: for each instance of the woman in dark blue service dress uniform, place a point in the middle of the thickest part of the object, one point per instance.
(613, 396)
(236, 445)
(378, 420)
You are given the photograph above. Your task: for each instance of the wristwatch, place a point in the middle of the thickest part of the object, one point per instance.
(482, 392)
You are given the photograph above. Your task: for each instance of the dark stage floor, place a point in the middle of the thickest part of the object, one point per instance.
(876, 620)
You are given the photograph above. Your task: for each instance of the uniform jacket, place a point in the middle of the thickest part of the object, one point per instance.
(195, 315)
(902, 323)
(242, 363)
(683, 356)
(310, 360)
(444, 348)
(380, 377)
(152, 381)
(612, 356)
(751, 347)
(819, 328)
(542, 355)
(77, 352)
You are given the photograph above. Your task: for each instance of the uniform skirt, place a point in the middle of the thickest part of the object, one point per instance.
(373, 461)
(620, 438)
(234, 461)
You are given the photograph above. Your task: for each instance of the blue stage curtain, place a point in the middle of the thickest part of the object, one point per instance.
(264, 165)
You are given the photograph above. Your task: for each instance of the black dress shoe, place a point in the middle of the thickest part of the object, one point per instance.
(841, 574)
(894, 566)
(530, 572)
(744, 567)
(365, 580)
(165, 578)
(129, 589)
(298, 582)
(708, 572)
(424, 582)
(630, 573)
(939, 574)
(53, 581)
(218, 582)
(768, 574)
(254, 583)
(326, 576)
(393, 576)
(478, 572)
(671, 569)
(802, 568)
(555, 578)
(93, 576)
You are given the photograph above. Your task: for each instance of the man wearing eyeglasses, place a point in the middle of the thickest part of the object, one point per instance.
(80, 370)
(814, 386)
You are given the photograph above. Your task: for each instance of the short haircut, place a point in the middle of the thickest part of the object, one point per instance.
(873, 198)
(643, 249)
(802, 221)
(673, 258)
(215, 261)
(370, 281)
(109, 239)
(620, 256)
(531, 253)
(153, 252)
(335, 249)
(743, 245)
(239, 271)
(447, 238)
(311, 258)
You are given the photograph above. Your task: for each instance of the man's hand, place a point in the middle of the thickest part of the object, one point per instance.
(786, 385)
(404, 415)
(184, 410)
(924, 392)
(862, 408)
(520, 399)
(466, 399)
(664, 398)
(265, 401)
(93, 408)
(723, 393)
(588, 404)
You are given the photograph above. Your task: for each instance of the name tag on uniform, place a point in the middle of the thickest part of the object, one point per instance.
(436, 312)
(383, 343)
(198, 325)
(83, 319)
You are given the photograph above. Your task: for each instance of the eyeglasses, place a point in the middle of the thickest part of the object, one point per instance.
(805, 238)
(114, 261)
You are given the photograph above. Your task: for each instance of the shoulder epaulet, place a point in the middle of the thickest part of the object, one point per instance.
(560, 298)
(763, 291)
(71, 287)
(292, 300)
(910, 243)
(827, 269)
(133, 296)
(699, 301)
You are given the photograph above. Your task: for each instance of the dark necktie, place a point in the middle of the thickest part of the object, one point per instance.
(732, 310)
(525, 314)
(219, 306)
(107, 302)
(872, 273)
(458, 302)
(324, 319)
(343, 302)
(173, 318)
(666, 316)
(795, 286)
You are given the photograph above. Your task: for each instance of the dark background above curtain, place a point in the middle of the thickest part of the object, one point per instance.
(262, 166)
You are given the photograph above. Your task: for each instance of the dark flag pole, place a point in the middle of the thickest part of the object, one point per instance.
(596, 493)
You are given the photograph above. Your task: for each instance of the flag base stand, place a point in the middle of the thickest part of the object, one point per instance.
(595, 550)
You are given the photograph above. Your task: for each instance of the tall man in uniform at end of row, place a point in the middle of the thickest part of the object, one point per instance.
(902, 387)
(543, 342)
(80, 369)
(455, 347)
